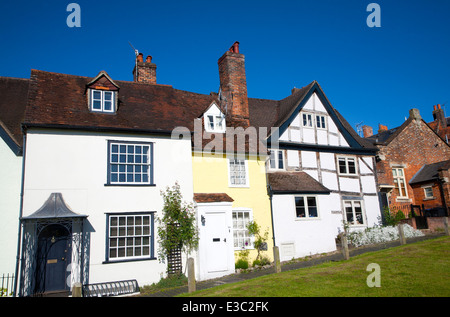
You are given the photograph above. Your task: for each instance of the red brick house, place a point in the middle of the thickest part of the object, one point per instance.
(406, 161)
(431, 187)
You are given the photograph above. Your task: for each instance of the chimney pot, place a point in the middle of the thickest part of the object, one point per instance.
(382, 128)
(144, 72)
(235, 47)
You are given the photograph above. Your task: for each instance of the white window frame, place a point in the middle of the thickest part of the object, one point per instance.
(347, 169)
(102, 100)
(353, 204)
(309, 120)
(129, 236)
(242, 240)
(400, 180)
(321, 122)
(276, 160)
(127, 164)
(307, 207)
(232, 160)
(218, 122)
(426, 193)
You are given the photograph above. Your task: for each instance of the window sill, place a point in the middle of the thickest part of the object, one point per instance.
(429, 198)
(306, 218)
(131, 185)
(128, 260)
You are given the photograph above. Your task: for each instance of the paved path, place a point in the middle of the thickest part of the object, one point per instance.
(287, 266)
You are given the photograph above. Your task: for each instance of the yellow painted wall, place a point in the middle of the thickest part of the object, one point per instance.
(210, 174)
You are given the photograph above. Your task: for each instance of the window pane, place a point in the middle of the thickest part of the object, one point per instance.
(300, 207)
(272, 159)
(349, 211)
(312, 207)
(97, 105)
(342, 166)
(211, 122)
(280, 160)
(351, 166)
(97, 95)
(358, 213)
(108, 95)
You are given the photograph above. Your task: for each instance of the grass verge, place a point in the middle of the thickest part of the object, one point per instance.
(418, 269)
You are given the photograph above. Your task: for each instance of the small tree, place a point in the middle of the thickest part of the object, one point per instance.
(177, 226)
(260, 242)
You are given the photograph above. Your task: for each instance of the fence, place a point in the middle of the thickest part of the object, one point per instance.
(7, 282)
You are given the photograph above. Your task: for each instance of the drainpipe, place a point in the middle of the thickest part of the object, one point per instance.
(19, 234)
(441, 189)
(270, 193)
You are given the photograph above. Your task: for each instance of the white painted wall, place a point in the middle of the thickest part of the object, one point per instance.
(75, 164)
(301, 237)
(10, 183)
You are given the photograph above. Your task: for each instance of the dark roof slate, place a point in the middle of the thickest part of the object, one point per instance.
(13, 100)
(212, 197)
(295, 182)
(429, 172)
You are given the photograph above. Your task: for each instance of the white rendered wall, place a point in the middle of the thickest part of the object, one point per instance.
(75, 164)
(10, 182)
(306, 236)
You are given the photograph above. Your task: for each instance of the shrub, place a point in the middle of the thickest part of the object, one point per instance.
(241, 264)
(380, 234)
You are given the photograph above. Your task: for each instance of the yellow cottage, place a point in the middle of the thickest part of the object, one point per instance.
(230, 187)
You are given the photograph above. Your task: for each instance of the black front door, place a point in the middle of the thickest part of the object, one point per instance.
(53, 257)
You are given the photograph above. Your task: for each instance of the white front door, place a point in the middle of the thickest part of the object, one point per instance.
(217, 242)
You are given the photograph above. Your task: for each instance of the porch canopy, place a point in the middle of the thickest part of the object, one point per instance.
(54, 207)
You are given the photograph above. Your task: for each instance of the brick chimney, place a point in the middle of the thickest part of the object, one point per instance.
(439, 116)
(233, 85)
(144, 72)
(367, 131)
(415, 114)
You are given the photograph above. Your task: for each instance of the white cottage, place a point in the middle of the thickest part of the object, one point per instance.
(321, 174)
(97, 153)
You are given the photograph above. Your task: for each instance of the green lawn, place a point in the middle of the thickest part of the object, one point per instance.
(417, 269)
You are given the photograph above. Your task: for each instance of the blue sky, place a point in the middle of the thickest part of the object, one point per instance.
(371, 75)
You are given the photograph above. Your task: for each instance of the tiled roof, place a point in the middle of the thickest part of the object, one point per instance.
(429, 172)
(295, 182)
(59, 99)
(212, 197)
(13, 100)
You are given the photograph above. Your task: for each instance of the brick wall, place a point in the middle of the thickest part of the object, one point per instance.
(436, 223)
(428, 203)
(415, 146)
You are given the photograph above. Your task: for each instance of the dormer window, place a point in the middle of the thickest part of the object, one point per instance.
(102, 93)
(214, 120)
(102, 100)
